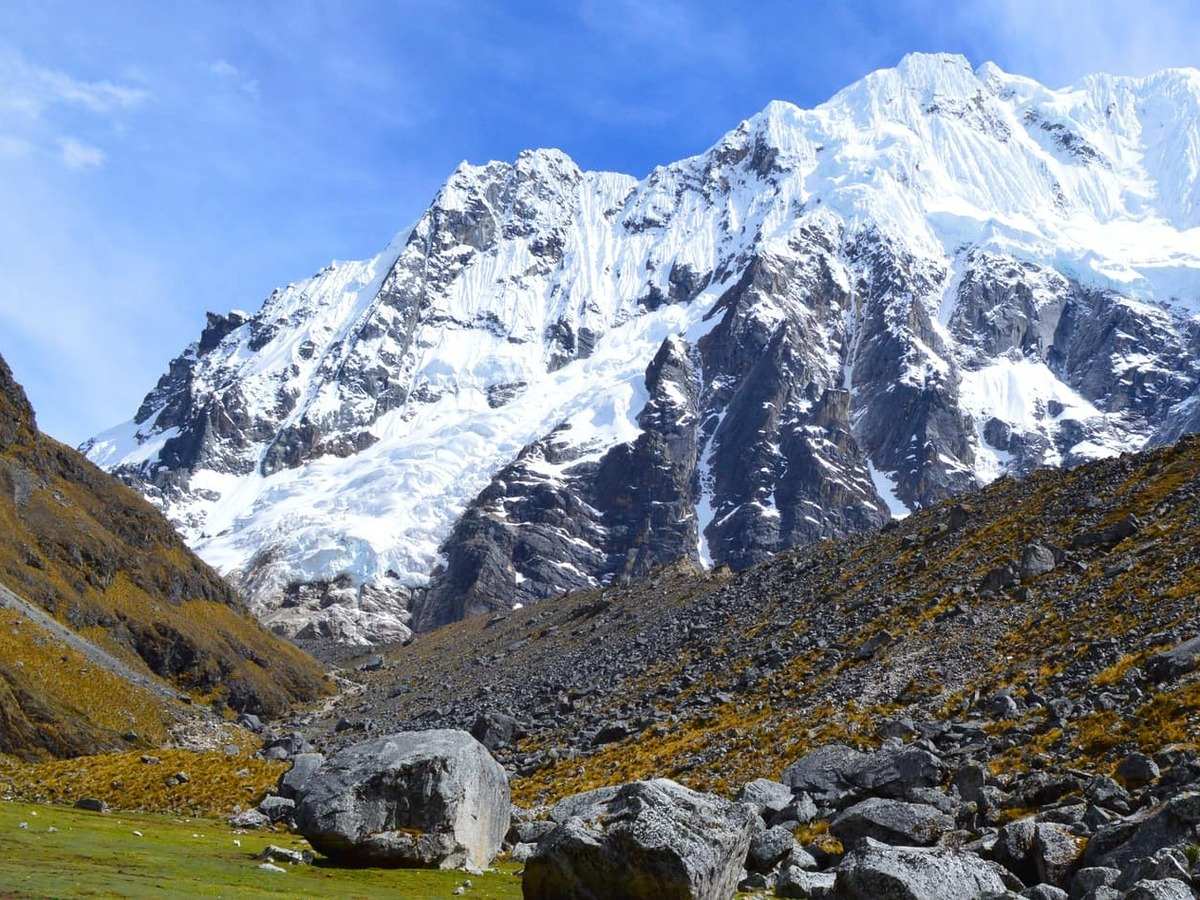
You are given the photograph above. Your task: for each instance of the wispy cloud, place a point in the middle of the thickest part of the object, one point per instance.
(78, 155)
(29, 89)
(227, 71)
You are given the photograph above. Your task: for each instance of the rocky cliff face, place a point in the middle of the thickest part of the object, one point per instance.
(559, 378)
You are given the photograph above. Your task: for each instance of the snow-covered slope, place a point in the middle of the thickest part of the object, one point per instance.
(560, 377)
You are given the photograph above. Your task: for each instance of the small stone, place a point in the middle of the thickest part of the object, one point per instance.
(768, 847)
(277, 808)
(1137, 770)
(1044, 892)
(522, 851)
(249, 820)
(1061, 708)
(91, 804)
(272, 853)
(795, 882)
(271, 867)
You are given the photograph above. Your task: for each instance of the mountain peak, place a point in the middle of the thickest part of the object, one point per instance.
(936, 277)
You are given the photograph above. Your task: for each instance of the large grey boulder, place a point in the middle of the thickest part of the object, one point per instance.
(768, 847)
(1164, 889)
(892, 822)
(1056, 853)
(1036, 559)
(495, 730)
(1014, 848)
(838, 775)
(766, 796)
(417, 798)
(876, 871)
(795, 882)
(1176, 662)
(650, 839)
(293, 780)
(1171, 824)
(587, 805)
(824, 773)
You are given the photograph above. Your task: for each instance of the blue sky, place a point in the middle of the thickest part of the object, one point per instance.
(161, 159)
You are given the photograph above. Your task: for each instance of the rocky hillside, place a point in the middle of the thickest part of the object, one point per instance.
(1031, 626)
(559, 379)
(110, 628)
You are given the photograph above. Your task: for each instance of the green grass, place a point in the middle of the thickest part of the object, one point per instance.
(93, 855)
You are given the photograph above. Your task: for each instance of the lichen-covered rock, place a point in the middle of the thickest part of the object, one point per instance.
(249, 820)
(1163, 889)
(650, 840)
(878, 872)
(1171, 824)
(769, 847)
(837, 775)
(1056, 853)
(892, 822)
(795, 882)
(1176, 662)
(766, 796)
(417, 798)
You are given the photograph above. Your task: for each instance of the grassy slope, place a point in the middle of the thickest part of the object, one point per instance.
(217, 783)
(88, 550)
(99, 856)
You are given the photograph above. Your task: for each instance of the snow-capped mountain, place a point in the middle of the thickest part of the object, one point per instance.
(559, 377)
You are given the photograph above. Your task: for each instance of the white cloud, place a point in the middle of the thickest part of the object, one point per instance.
(78, 155)
(226, 70)
(29, 89)
(223, 68)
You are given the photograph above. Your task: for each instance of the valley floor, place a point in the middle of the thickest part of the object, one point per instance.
(64, 852)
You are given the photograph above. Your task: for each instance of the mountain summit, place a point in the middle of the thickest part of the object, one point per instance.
(560, 378)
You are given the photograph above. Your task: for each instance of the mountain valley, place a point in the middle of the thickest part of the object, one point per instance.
(817, 516)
